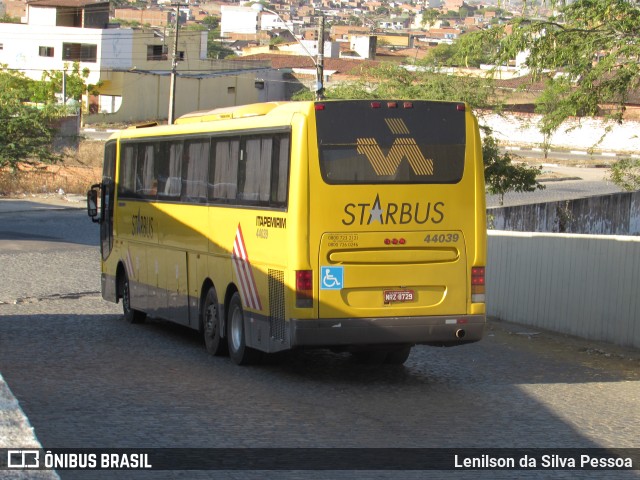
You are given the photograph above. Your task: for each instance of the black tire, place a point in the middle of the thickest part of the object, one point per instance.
(398, 356)
(131, 315)
(236, 338)
(212, 326)
(370, 357)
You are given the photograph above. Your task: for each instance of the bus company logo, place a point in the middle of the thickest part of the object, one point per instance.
(386, 165)
(23, 459)
(392, 213)
(141, 225)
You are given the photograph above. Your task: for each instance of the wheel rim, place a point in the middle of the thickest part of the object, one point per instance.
(126, 296)
(209, 322)
(236, 329)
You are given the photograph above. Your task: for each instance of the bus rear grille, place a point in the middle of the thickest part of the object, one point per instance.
(276, 304)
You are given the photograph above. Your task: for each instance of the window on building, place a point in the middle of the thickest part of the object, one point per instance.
(157, 52)
(80, 52)
(45, 51)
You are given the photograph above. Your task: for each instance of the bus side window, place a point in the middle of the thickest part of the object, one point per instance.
(162, 166)
(173, 184)
(280, 170)
(223, 170)
(255, 171)
(195, 165)
(127, 183)
(146, 184)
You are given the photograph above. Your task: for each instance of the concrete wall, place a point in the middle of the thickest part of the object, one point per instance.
(145, 96)
(583, 285)
(616, 214)
(521, 129)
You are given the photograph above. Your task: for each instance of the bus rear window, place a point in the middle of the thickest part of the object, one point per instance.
(360, 144)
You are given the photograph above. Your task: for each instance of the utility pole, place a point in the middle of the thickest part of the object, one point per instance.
(320, 60)
(174, 71)
(64, 86)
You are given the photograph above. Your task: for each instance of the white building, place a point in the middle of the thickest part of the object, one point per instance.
(269, 21)
(131, 66)
(234, 19)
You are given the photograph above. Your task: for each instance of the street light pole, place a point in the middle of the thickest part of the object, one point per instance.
(320, 62)
(174, 71)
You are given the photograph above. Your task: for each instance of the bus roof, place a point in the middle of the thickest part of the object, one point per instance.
(226, 113)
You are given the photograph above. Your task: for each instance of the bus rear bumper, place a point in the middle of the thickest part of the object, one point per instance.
(441, 331)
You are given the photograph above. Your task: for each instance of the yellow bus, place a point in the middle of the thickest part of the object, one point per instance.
(352, 225)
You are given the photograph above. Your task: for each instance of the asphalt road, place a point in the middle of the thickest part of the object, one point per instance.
(85, 378)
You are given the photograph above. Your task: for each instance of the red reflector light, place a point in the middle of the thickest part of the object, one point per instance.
(304, 280)
(460, 107)
(477, 276)
(304, 288)
(407, 104)
(392, 104)
(319, 106)
(376, 104)
(394, 241)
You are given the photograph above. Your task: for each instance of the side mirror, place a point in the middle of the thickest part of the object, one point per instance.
(92, 203)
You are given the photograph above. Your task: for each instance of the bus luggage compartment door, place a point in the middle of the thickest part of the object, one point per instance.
(386, 274)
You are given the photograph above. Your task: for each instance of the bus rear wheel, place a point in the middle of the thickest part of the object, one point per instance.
(238, 350)
(211, 325)
(398, 356)
(131, 315)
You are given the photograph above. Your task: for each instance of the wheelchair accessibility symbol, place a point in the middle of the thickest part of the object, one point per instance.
(331, 278)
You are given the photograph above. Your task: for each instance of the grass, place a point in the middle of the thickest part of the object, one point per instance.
(75, 174)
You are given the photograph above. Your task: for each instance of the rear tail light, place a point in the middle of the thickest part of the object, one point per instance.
(407, 104)
(304, 288)
(477, 285)
(376, 104)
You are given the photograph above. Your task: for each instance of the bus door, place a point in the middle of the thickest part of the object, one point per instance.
(388, 211)
(107, 200)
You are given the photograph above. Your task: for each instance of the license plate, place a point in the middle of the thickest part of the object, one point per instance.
(396, 296)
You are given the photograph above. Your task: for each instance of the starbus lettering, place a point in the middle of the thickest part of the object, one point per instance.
(393, 213)
(141, 225)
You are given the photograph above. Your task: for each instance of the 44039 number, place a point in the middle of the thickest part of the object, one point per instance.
(442, 238)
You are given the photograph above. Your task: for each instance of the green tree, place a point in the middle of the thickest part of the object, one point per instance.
(595, 43)
(626, 174)
(76, 85)
(429, 17)
(551, 105)
(211, 22)
(458, 53)
(26, 130)
(502, 175)
(393, 81)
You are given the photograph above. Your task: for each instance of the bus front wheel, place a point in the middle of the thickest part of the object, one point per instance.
(131, 315)
(211, 325)
(238, 350)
